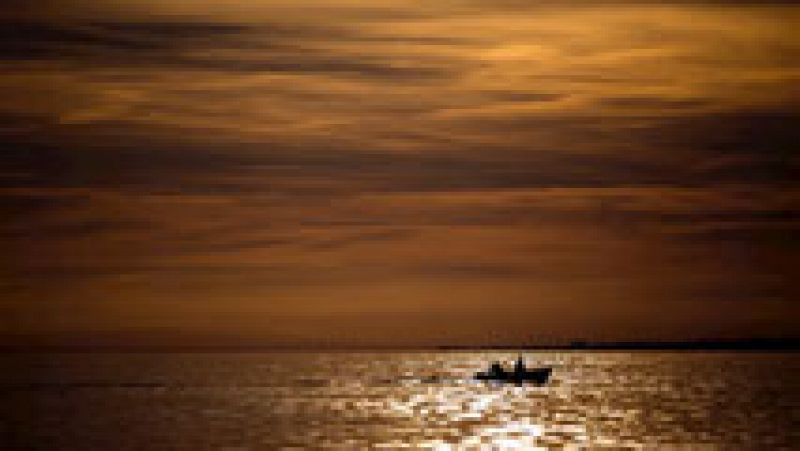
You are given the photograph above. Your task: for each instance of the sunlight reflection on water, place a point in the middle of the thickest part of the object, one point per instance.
(395, 400)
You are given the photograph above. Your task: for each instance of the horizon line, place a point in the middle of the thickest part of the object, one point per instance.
(755, 344)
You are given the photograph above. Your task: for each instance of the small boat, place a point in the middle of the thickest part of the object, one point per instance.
(518, 376)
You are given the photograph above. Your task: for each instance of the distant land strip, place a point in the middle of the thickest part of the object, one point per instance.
(699, 345)
(788, 344)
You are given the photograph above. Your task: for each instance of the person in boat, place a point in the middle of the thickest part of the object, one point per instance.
(495, 369)
(519, 366)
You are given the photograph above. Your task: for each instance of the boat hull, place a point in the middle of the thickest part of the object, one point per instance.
(537, 376)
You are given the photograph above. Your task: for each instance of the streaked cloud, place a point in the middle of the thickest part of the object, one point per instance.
(301, 159)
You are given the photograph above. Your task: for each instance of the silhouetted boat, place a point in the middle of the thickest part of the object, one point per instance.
(518, 376)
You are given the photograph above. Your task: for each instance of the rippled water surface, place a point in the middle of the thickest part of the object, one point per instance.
(395, 400)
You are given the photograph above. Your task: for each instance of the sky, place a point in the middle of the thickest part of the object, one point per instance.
(397, 173)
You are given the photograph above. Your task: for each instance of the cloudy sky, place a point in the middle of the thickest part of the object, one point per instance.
(397, 172)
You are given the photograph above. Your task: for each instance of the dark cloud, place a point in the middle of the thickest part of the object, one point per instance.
(73, 229)
(15, 205)
(475, 270)
(314, 63)
(38, 40)
(679, 152)
(743, 291)
(695, 223)
(359, 238)
(780, 236)
(517, 96)
(527, 4)
(652, 102)
(750, 216)
(739, 146)
(197, 171)
(770, 133)
(189, 277)
(166, 45)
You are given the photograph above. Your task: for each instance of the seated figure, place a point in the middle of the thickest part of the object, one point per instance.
(519, 367)
(496, 369)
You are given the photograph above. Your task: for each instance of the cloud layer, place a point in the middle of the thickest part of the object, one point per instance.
(624, 169)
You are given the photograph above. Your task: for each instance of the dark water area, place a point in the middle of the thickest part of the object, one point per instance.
(335, 400)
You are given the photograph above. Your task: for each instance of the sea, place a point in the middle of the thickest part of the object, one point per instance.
(399, 400)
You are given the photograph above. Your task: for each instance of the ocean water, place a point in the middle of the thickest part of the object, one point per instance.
(336, 400)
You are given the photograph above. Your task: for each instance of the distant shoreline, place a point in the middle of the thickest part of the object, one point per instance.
(763, 345)
(705, 345)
